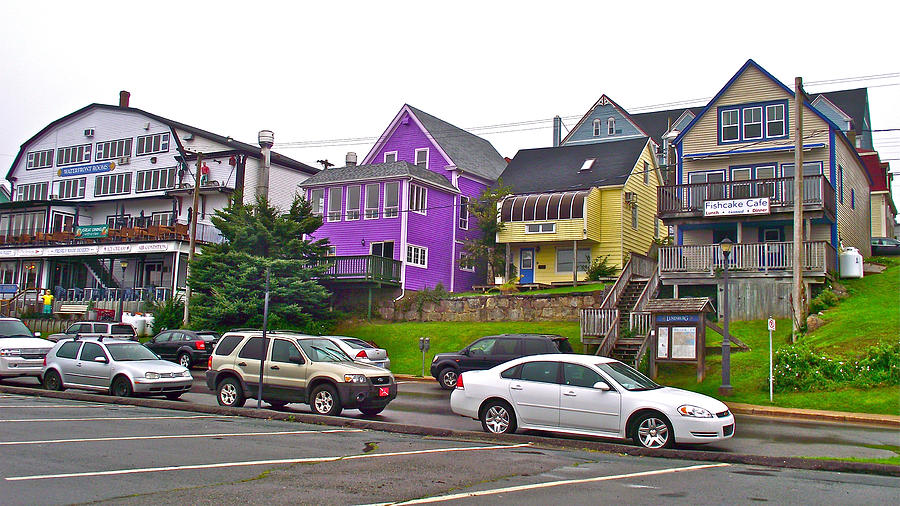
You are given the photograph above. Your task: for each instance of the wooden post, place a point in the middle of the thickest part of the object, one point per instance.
(575, 263)
(798, 296)
(506, 261)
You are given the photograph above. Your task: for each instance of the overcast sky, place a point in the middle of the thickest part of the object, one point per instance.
(341, 70)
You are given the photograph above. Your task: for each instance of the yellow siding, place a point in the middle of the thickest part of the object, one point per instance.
(594, 216)
(882, 221)
(514, 232)
(638, 240)
(854, 225)
(612, 209)
(546, 257)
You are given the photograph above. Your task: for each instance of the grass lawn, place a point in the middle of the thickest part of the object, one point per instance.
(588, 287)
(401, 340)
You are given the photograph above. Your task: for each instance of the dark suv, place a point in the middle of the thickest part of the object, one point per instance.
(493, 350)
(187, 347)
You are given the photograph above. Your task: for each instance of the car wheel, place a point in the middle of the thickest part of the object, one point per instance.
(652, 430)
(370, 411)
(277, 404)
(184, 360)
(52, 381)
(497, 417)
(325, 400)
(230, 394)
(447, 378)
(121, 387)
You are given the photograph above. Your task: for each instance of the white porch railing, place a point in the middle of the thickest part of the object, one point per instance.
(818, 256)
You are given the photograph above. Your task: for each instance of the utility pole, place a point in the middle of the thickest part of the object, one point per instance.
(193, 243)
(798, 295)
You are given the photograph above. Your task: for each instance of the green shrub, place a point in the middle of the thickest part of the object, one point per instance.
(823, 301)
(800, 368)
(600, 268)
(418, 299)
(167, 314)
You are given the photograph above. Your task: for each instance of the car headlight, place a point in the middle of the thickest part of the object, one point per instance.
(694, 411)
(355, 378)
(185, 373)
(151, 375)
(10, 353)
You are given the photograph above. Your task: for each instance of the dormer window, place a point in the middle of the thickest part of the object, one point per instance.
(422, 157)
(390, 157)
(611, 126)
(596, 128)
(587, 165)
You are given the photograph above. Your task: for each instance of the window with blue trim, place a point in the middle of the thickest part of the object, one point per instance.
(841, 183)
(852, 198)
(753, 122)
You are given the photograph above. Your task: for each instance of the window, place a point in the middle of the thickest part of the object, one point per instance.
(68, 350)
(634, 216)
(852, 198)
(540, 228)
(587, 165)
(353, 197)
(90, 351)
(512, 372)
(334, 203)
(542, 372)
(331, 251)
(162, 218)
(390, 157)
(113, 149)
(73, 154)
(580, 376)
(729, 125)
(227, 345)
(39, 159)
(841, 183)
(112, 184)
(417, 255)
(753, 123)
(646, 173)
(283, 351)
(372, 200)
(596, 128)
(422, 157)
(656, 226)
(119, 221)
(466, 263)
(155, 179)
(564, 260)
(775, 120)
(391, 199)
(317, 201)
(418, 197)
(536, 346)
(155, 143)
(71, 188)
(464, 212)
(253, 349)
(611, 126)
(62, 222)
(33, 191)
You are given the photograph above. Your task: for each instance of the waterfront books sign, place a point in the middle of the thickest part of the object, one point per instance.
(91, 231)
(81, 170)
(736, 207)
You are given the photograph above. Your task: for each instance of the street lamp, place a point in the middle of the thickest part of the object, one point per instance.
(725, 388)
(124, 265)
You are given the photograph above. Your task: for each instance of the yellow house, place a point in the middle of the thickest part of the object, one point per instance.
(596, 200)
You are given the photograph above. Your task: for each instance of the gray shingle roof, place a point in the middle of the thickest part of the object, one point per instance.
(466, 150)
(685, 305)
(558, 169)
(656, 123)
(362, 173)
(852, 102)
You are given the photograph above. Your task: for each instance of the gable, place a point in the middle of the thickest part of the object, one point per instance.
(602, 111)
(404, 136)
(833, 113)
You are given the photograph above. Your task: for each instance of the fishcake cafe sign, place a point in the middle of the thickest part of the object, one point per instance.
(736, 206)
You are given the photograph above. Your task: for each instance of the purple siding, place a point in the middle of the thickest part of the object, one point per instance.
(465, 279)
(405, 140)
(432, 231)
(354, 237)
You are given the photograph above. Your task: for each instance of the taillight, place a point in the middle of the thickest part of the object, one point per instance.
(209, 362)
(200, 345)
(459, 382)
(45, 360)
(362, 354)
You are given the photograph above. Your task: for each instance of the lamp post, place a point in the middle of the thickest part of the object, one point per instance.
(124, 265)
(725, 388)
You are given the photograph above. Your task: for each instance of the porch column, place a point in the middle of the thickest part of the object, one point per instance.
(506, 261)
(740, 232)
(575, 263)
(674, 291)
(175, 262)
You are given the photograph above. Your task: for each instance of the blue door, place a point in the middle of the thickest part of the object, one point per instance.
(526, 266)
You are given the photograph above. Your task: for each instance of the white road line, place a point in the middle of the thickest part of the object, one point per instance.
(37, 406)
(99, 418)
(275, 462)
(519, 488)
(176, 436)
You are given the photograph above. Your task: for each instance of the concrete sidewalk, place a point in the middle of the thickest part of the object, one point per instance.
(773, 411)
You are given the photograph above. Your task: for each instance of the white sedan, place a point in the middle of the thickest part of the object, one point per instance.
(588, 395)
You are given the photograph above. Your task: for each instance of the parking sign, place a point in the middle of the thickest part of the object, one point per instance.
(772, 324)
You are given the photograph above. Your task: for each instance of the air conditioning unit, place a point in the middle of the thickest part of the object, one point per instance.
(124, 160)
(630, 198)
(88, 132)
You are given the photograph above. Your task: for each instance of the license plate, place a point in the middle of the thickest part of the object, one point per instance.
(384, 391)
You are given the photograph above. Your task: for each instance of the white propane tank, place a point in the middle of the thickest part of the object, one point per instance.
(851, 263)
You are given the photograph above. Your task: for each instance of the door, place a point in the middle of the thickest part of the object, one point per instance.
(159, 344)
(740, 182)
(247, 363)
(526, 266)
(504, 350)
(776, 254)
(535, 394)
(583, 407)
(477, 357)
(718, 236)
(94, 374)
(703, 188)
(285, 373)
(382, 269)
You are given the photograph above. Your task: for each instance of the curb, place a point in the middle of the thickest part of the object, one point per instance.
(538, 441)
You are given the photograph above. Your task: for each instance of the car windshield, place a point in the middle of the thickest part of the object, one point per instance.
(357, 344)
(128, 352)
(208, 337)
(629, 378)
(323, 350)
(122, 329)
(14, 328)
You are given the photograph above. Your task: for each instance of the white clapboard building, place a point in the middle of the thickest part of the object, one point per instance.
(101, 201)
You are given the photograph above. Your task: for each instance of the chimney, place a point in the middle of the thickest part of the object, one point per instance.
(351, 159)
(266, 141)
(557, 130)
(124, 97)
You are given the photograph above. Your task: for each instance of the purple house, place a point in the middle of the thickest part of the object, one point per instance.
(399, 219)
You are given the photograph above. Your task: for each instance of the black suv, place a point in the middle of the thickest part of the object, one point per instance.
(493, 350)
(187, 347)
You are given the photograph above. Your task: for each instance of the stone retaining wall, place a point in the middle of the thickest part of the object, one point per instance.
(495, 308)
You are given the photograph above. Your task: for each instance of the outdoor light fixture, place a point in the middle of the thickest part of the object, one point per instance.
(123, 264)
(725, 388)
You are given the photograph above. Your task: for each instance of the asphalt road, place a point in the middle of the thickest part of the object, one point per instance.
(58, 451)
(425, 404)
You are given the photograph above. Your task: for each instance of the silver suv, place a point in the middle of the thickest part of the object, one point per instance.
(117, 330)
(298, 368)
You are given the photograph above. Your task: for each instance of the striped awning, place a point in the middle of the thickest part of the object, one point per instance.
(544, 206)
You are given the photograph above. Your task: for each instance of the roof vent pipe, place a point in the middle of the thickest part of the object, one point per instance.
(351, 159)
(266, 141)
(124, 98)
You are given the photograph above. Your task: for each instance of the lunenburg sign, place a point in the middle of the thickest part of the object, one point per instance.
(736, 206)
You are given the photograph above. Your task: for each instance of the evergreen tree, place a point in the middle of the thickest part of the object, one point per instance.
(228, 279)
(484, 250)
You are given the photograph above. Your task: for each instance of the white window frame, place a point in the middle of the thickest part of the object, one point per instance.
(109, 150)
(745, 123)
(635, 217)
(463, 212)
(71, 188)
(466, 263)
(417, 256)
(335, 215)
(154, 180)
(39, 159)
(371, 212)
(540, 228)
(422, 150)
(317, 204)
(779, 121)
(112, 184)
(391, 211)
(32, 191)
(611, 126)
(390, 153)
(736, 125)
(352, 213)
(153, 143)
(418, 199)
(587, 164)
(646, 172)
(597, 127)
(71, 155)
(331, 251)
(163, 218)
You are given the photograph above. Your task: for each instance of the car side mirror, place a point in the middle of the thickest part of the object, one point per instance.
(465, 351)
(101, 360)
(37, 334)
(601, 385)
(296, 360)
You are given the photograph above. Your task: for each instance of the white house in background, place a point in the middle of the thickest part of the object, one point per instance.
(101, 198)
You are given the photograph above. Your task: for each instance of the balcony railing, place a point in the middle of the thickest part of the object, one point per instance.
(363, 268)
(690, 198)
(818, 257)
(150, 233)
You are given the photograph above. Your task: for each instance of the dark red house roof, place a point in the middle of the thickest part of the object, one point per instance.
(877, 171)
